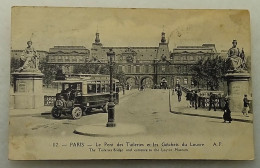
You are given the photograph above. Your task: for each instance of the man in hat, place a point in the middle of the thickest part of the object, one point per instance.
(195, 99)
(212, 101)
(246, 106)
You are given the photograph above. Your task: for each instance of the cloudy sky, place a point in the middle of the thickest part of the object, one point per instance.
(128, 27)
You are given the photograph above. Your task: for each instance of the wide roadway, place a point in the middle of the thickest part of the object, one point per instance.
(149, 108)
(34, 135)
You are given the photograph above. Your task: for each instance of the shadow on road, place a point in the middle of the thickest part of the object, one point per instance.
(47, 115)
(220, 122)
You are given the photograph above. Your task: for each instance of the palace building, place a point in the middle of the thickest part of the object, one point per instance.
(67, 57)
(150, 66)
(140, 64)
(147, 66)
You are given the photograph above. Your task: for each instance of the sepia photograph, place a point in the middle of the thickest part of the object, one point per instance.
(126, 83)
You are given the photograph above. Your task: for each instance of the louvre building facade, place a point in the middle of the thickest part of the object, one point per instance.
(150, 65)
(147, 66)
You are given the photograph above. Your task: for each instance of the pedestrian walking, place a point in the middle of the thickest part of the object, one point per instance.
(195, 99)
(179, 93)
(246, 106)
(212, 101)
(192, 98)
(188, 99)
(123, 89)
(227, 112)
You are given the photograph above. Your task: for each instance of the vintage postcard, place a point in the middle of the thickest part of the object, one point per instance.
(108, 83)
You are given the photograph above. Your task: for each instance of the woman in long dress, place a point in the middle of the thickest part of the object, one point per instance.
(227, 112)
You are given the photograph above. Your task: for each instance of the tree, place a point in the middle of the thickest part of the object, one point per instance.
(121, 77)
(210, 72)
(197, 73)
(49, 71)
(15, 64)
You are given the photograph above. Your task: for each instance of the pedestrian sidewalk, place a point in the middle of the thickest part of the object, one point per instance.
(24, 112)
(182, 108)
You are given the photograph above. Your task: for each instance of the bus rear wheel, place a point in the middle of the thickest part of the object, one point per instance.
(55, 112)
(76, 113)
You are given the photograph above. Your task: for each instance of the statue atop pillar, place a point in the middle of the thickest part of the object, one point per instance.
(28, 81)
(29, 61)
(237, 78)
(236, 58)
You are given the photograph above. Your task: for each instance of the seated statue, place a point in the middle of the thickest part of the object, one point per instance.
(237, 58)
(29, 60)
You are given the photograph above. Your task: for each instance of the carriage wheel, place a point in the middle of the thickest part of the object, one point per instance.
(76, 113)
(56, 113)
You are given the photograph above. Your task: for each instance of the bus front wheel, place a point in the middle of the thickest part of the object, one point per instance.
(76, 113)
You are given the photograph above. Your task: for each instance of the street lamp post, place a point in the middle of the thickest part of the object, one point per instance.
(111, 104)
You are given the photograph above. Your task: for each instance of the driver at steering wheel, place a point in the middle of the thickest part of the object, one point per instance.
(73, 92)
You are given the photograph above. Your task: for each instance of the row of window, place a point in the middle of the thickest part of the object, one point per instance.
(185, 81)
(150, 69)
(91, 88)
(187, 58)
(136, 69)
(99, 88)
(66, 59)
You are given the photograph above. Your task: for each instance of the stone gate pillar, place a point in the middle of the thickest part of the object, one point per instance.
(28, 81)
(28, 90)
(238, 86)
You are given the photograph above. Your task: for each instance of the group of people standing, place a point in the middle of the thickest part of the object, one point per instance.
(192, 98)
